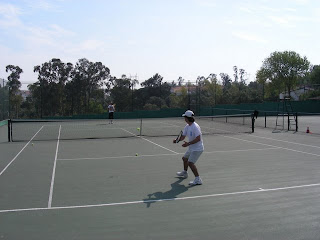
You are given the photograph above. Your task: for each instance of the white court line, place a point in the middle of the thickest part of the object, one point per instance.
(153, 155)
(54, 171)
(19, 152)
(159, 145)
(149, 141)
(289, 149)
(307, 145)
(260, 190)
(167, 154)
(243, 150)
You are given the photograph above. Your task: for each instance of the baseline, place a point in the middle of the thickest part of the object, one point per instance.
(260, 190)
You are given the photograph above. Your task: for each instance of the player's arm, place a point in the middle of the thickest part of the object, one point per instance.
(181, 139)
(197, 139)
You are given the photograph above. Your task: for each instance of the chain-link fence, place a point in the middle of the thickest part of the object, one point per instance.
(4, 99)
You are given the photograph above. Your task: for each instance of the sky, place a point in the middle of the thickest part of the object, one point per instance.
(174, 38)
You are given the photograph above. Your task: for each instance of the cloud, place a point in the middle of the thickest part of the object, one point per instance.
(206, 3)
(51, 36)
(246, 9)
(90, 45)
(301, 2)
(268, 9)
(9, 15)
(42, 5)
(316, 14)
(249, 37)
(284, 21)
(290, 9)
(279, 20)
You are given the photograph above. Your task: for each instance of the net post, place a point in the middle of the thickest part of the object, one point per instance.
(296, 122)
(9, 130)
(265, 119)
(140, 127)
(252, 123)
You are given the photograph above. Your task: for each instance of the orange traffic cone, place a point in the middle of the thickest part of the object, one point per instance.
(308, 131)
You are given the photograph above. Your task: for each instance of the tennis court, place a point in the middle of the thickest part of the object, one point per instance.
(259, 185)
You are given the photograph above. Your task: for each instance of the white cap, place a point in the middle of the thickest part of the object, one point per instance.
(188, 113)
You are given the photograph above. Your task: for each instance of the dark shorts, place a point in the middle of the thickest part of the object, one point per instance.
(110, 115)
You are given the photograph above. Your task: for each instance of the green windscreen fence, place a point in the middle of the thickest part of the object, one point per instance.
(309, 106)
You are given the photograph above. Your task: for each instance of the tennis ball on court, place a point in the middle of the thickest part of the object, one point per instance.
(136, 154)
(32, 144)
(138, 129)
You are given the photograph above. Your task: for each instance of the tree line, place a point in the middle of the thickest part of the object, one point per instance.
(64, 89)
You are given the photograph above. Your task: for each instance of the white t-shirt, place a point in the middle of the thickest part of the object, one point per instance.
(111, 108)
(192, 132)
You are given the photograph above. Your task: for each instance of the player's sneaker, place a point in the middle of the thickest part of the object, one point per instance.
(196, 181)
(183, 174)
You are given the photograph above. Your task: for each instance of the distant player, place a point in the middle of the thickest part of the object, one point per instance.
(111, 109)
(193, 132)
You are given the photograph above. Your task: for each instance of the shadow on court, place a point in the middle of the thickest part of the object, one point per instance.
(176, 189)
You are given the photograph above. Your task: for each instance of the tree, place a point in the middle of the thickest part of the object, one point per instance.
(262, 78)
(14, 84)
(85, 87)
(254, 92)
(154, 81)
(235, 69)
(199, 92)
(226, 87)
(50, 88)
(120, 93)
(313, 80)
(180, 81)
(179, 100)
(212, 90)
(284, 69)
(154, 87)
(133, 83)
(243, 97)
(315, 75)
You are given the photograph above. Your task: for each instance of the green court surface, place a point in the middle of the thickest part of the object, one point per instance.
(259, 185)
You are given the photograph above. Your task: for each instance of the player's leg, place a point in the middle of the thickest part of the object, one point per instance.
(193, 158)
(184, 173)
(111, 117)
(193, 169)
(185, 163)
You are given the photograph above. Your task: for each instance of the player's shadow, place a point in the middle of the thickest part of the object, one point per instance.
(176, 189)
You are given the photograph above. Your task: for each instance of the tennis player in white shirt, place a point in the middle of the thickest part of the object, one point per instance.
(193, 131)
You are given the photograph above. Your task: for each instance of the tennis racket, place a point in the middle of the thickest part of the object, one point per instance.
(178, 137)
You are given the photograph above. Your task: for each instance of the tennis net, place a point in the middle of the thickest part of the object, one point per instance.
(41, 130)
